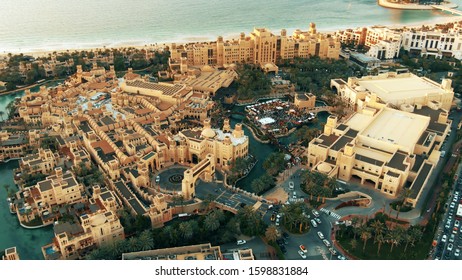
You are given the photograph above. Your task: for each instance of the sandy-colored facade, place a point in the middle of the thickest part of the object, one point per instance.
(382, 147)
(260, 47)
(192, 252)
(399, 90)
(11, 254)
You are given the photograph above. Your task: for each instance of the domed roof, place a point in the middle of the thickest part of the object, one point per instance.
(207, 68)
(324, 168)
(208, 133)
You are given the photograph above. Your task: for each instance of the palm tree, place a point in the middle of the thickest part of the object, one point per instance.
(271, 233)
(133, 244)
(353, 243)
(145, 241)
(211, 223)
(377, 227)
(407, 238)
(380, 240)
(365, 235)
(186, 231)
(119, 247)
(354, 224)
(395, 237)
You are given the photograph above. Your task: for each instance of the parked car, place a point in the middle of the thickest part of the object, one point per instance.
(313, 223)
(303, 248)
(241, 242)
(444, 238)
(451, 238)
(317, 220)
(291, 185)
(315, 213)
(450, 246)
(332, 251)
(320, 235)
(302, 254)
(457, 252)
(327, 243)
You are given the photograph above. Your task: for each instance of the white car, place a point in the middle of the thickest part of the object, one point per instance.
(320, 235)
(452, 205)
(315, 213)
(302, 254)
(451, 238)
(241, 242)
(277, 222)
(457, 223)
(313, 223)
(457, 252)
(444, 238)
(291, 185)
(157, 179)
(327, 243)
(450, 246)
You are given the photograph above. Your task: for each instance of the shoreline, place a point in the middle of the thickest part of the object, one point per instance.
(141, 44)
(413, 6)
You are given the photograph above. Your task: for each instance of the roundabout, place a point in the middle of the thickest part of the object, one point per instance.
(170, 179)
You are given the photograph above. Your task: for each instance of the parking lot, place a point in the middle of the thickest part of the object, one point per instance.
(450, 231)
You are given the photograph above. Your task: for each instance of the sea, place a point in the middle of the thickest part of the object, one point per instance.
(40, 25)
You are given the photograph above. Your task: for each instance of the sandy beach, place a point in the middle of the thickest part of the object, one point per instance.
(160, 45)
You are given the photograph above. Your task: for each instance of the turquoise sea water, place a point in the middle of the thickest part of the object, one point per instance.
(36, 25)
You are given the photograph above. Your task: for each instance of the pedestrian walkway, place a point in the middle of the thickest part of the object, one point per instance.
(331, 213)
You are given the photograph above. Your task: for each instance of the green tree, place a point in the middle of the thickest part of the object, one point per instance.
(271, 233)
(145, 240)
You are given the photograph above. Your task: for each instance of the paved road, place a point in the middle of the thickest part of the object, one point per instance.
(447, 226)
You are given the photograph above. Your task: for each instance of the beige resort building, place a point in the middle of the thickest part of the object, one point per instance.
(387, 148)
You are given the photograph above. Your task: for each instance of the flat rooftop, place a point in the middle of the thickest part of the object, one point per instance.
(397, 127)
(391, 90)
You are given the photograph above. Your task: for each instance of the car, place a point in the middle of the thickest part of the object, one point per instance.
(291, 185)
(340, 257)
(457, 223)
(444, 238)
(320, 235)
(315, 213)
(294, 196)
(452, 205)
(332, 251)
(277, 222)
(317, 220)
(157, 179)
(454, 230)
(450, 246)
(447, 226)
(451, 238)
(327, 243)
(302, 254)
(285, 234)
(286, 241)
(241, 242)
(337, 223)
(303, 248)
(313, 223)
(457, 252)
(273, 218)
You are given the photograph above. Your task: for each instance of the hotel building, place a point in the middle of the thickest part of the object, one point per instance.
(261, 47)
